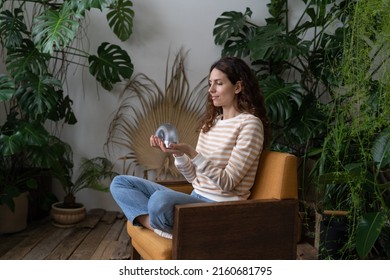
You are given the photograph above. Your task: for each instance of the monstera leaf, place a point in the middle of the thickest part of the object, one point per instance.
(55, 29)
(110, 65)
(280, 98)
(26, 58)
(7, 88)
(120, 19)
(12, 28)
(23, 136)
(79, 6)
(229, 24)
(272, 42)
(238, 45)
(37, 95)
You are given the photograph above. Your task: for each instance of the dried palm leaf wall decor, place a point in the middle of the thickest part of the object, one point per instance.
(144, 107)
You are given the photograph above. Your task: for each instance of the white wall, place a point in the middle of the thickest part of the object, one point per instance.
(159, 27)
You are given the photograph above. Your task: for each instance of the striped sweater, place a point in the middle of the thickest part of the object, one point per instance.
(227, 160)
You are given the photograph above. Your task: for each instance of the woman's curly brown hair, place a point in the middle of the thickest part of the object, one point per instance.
(250, 99)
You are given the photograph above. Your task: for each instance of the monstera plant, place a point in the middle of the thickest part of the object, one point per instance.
(39, 41)
(293, 61)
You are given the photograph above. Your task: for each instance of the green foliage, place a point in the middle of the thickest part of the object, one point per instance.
(230, 24)
(326, 83)
(92, 172)
(55, 29)
(110, 66)
(7, 88)
(25, 58)
(120, 19)
(39, 40)
(368, 231)
(272, 43)
(372, 30)
(38, 95)
(292, 68)
(12, 27)
(357, 142)
(281, 98)
(92, 175)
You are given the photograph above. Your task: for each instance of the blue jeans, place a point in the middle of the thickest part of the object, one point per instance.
(137, 196)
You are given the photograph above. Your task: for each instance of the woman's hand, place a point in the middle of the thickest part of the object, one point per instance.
(156, 142)
(175, 149)
(182, 148)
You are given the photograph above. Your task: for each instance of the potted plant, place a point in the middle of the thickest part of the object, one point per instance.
(327, 96)
(292, 68)
(27, 151)
(355, 157)
(294, 71)
(38, 41)
(92, 175)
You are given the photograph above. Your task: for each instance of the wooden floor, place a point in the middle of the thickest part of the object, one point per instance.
(101, 236)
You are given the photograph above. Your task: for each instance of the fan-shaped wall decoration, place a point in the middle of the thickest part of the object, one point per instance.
(144, 107)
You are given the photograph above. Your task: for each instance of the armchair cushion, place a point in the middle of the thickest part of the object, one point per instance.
(276, 177)
(145, 239)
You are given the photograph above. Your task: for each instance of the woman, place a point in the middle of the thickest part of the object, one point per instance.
(223, 166)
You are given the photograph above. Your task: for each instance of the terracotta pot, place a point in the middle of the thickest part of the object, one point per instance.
(66, 217)
(14, 221)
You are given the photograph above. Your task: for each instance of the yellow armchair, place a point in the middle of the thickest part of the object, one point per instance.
(262, 227)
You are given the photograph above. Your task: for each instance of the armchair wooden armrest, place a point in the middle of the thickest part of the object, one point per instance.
(251, 229)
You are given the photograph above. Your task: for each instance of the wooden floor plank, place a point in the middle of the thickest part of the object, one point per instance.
(109, 217)
(69, 244)
(123, 246)
(8, 242)
(92, 219)
(48, 244)
(88, 246)
(105, 250)
(28, 243)
(99, 252)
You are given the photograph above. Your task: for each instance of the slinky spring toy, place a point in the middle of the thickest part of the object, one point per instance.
(168, 133)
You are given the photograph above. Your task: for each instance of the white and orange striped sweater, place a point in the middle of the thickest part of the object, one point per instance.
(227, 160)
